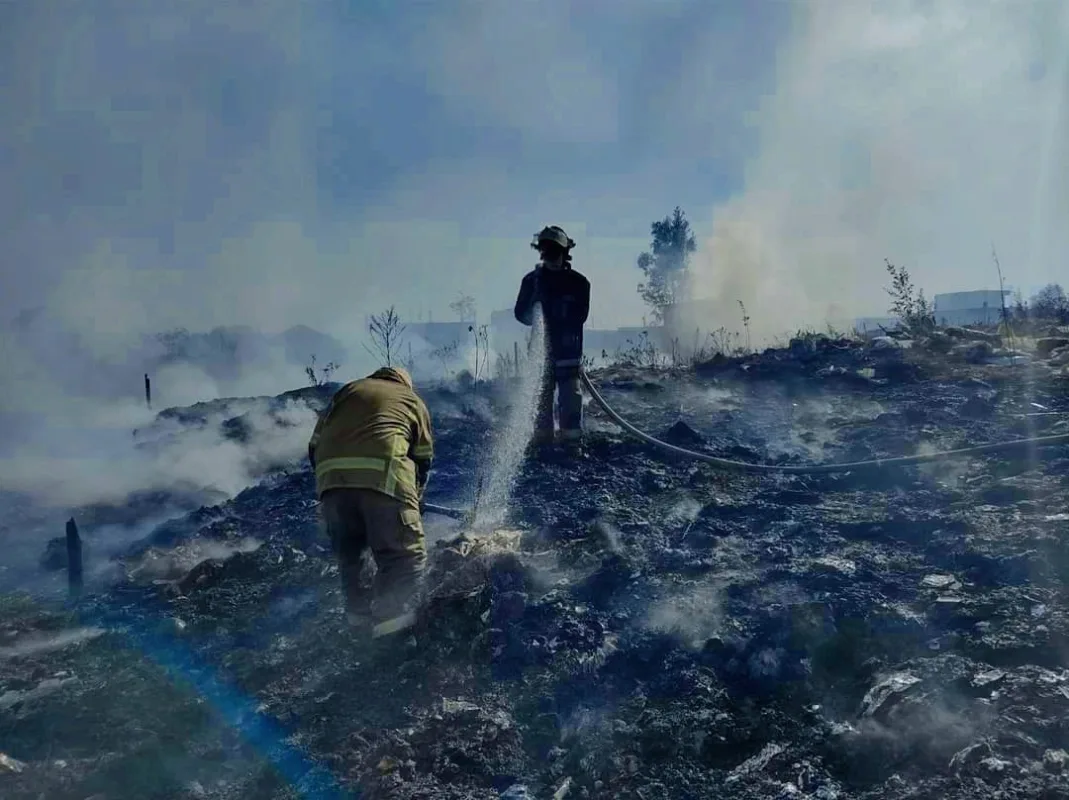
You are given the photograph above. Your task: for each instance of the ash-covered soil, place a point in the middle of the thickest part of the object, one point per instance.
(645, 627)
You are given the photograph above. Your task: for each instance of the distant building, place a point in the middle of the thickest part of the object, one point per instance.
(683, 318)
(611, 341)
(980, 307)
(505, 331)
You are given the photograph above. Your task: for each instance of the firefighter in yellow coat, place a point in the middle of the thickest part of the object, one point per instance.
(372, 450)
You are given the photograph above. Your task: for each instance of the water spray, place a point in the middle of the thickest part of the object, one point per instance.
(514, 437)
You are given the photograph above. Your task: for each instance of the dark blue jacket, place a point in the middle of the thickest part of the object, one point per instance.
(565, 298)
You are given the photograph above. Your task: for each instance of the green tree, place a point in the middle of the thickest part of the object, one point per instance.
(666, 264)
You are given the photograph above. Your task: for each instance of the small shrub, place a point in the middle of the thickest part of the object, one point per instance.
(907, 303)
(324, 375)
(642, 353)
(386, 330)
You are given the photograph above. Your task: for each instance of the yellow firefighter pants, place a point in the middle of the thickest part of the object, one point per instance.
(359, 520)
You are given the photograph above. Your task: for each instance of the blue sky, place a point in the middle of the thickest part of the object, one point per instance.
(272, 162)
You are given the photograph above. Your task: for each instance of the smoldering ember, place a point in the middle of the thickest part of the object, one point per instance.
(640, 625)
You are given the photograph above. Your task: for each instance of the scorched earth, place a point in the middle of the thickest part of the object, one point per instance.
(642, 625)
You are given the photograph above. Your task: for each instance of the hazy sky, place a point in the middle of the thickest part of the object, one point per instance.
(273, 163)
(270, 162)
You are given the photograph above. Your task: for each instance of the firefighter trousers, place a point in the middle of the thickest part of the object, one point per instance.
(363, 520)
(564, 381)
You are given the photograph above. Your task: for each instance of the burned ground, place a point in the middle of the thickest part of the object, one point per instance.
(646, 627)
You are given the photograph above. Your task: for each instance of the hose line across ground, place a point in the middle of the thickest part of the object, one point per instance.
(445, 511)
(813, 469)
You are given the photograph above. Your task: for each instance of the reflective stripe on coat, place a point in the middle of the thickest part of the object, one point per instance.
(376, 434)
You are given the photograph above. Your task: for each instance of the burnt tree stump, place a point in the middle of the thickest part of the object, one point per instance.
(74, 557)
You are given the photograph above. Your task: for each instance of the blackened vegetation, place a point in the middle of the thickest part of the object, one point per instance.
(652, 628)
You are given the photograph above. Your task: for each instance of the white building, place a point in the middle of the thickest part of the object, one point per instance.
(506, 331)
(620, 340)
(980, 307)
(683, 318)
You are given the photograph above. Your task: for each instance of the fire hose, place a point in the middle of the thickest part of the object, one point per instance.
(813, 469)
(455, 513)
(731, 465)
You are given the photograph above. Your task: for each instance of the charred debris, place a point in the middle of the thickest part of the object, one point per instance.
(644, 627)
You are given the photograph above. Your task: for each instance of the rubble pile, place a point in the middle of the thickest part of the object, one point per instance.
(644, 627)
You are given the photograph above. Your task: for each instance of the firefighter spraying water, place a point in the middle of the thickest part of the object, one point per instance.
(563, 295)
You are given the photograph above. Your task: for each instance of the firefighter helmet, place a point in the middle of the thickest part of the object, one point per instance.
(553, 234)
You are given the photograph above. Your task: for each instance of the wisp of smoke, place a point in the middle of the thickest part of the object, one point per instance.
(174, 563)
(949, 472)
(514, 436)
(96, 458)
(694, 615)
(33, 644)
(861, 157)
(685, 510)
